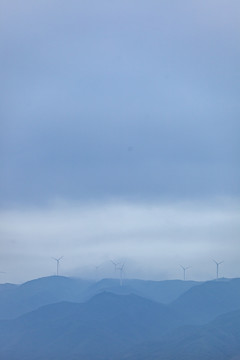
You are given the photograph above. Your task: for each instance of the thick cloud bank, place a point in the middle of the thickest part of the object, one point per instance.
(128, 99)
(152, 240)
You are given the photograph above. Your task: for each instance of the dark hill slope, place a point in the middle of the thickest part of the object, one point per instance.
(218, 340)
(29, 296)
(203, 303)
(8, 287)
(161, 291)
(17, 300)
(103, 328)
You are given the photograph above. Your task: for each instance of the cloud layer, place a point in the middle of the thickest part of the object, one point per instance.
(123, 99)
(128, 110)
(152, 238)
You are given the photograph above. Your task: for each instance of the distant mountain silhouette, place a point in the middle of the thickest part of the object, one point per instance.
(161, 291)
(7, 287)
(203, 303)
(102, 328)
(17, 300)
(218, 340)
(120, 327)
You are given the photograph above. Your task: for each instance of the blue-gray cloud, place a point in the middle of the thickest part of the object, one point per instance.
(153, 239)
(119, 99)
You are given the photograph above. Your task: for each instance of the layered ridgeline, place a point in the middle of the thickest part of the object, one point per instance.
(201, 323)
(217, 340)
(102, 328)
(208, 300)
(17, 300)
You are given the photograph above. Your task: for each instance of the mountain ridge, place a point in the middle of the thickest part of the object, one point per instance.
(28, 296)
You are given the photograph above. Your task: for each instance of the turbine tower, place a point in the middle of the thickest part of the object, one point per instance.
(115, 264)
(217, 264)
(96, 271)
(184, 271)
(58, 260)
(120, 268)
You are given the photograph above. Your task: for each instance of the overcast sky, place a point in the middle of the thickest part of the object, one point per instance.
(119, 137)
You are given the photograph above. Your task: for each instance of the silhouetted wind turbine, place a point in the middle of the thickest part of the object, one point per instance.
(184, 271)
(57, 260)
(96, 269)
(217, 264)
(120, 268)
(115, 264)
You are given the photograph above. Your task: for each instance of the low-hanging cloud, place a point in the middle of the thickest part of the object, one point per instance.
(152, 238)
(93, 79)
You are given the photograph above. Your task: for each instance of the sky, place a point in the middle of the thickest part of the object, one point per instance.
(119, 138)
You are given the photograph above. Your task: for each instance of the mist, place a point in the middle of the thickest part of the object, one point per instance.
(151, 238)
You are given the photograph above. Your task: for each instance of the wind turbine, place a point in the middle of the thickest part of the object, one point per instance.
(96, 270)
(184, 271)
(120, 268)
(57, 260)
(217, 264)
(115, 264)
